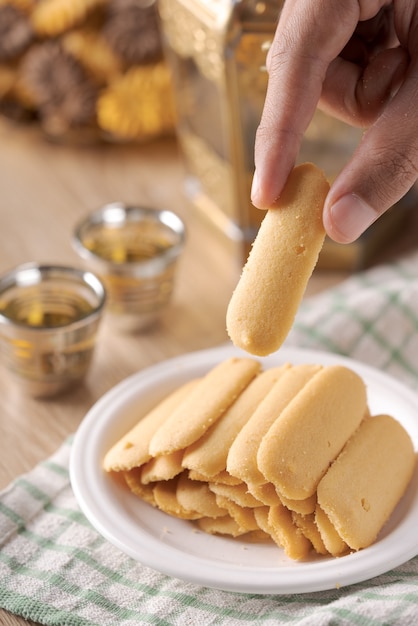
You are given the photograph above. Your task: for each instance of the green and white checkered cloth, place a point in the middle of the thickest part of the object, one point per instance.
(57, 570)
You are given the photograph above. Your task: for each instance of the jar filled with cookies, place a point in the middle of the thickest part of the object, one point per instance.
(91, 69)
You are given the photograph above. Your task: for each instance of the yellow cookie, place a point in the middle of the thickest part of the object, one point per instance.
(308, 526)
(225, 525)
(236, 493)
(132, 450)
(209, 453)
(213, 395)
(362, 487)
(196, 496)
(311, 431)
(242, 457)
(265, 301)
(162, 468)
(331, 539)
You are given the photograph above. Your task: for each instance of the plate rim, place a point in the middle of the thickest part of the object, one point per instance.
(345, 571)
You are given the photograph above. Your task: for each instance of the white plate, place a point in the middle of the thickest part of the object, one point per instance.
(174, 546)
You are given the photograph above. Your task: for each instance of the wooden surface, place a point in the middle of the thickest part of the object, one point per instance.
(44, 190)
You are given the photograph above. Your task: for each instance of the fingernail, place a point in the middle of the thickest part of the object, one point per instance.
(350, 216)
(255, 189)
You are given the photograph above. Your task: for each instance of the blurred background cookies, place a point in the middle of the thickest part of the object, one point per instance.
(87, 68)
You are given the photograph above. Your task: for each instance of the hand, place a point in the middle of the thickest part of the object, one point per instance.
(358, 61)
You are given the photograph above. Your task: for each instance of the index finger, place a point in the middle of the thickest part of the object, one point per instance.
(310, 34)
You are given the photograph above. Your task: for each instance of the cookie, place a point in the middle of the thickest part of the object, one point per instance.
(162, 468)
(265, 301)
(311, 431)
(209, 453)
(362, 487)
(132, 450)
(242, 457)
(214, 394)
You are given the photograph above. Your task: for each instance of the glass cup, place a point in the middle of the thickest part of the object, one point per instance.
(135, 251)
(49, 317)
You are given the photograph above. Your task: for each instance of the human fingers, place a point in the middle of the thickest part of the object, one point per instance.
(303, 47)
(383, 168)
(385, 164)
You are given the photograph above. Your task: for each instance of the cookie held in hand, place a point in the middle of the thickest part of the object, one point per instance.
(284, 254)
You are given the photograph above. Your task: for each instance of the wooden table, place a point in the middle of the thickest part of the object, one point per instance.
(44, 190)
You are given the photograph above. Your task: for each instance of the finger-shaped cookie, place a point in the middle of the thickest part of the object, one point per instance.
(223, 478)
(265, 301)
(304, 507)
(295, 544)
(244, 516)
(265, 493)
(312, 430)
(209, 453)
(132, 450)
(307, 524)
(162, 468)
(242, 456)
(236, 493)
(331, 539)
(225, 525)
(196, 496)
(211, 397)
(133, 480)
(277, 522)
(362, 487)
(165, 494)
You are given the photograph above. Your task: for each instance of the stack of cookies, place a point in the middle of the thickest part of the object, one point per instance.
(290, 455)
